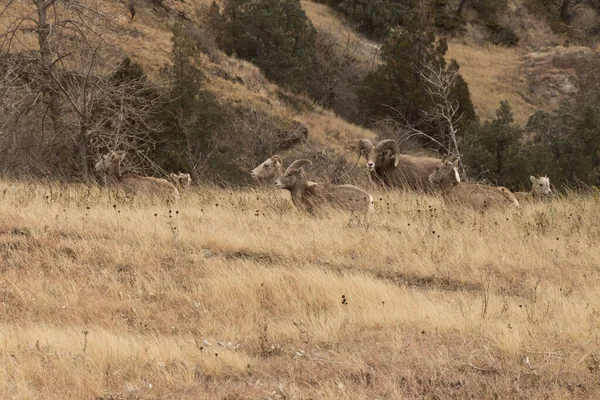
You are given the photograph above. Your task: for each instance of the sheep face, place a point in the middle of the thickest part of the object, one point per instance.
(181, 180)
(291, 179)
(384, 154)
(108, 160)
(541, 186)
(268, 170)
(445, 174)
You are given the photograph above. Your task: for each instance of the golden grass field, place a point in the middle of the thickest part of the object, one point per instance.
(234, 295)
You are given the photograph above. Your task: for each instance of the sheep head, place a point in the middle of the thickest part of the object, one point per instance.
(540, 187)
(445, 174)
(181, 179)
(268, 169)
(384, 150)
(108, 160)
(294, 175)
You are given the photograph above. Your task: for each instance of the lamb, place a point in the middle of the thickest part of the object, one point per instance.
(540, 189)
(310, 196)
(478, 196)
(269, 171)
(387, 165)
(110, 164)
(181, 180)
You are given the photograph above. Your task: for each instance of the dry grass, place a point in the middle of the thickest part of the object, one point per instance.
(325, 19)
(493, 74)
(234, 295)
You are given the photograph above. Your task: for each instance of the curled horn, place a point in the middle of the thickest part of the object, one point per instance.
(277, 159)
(364, 146)
(453, 157)
(391, 145)
(298, 164)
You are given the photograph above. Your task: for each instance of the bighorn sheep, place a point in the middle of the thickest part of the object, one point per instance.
(540, 189)
(181, 180)
(386, 164)
(309, 195)
(269, 171)
(446, 177)
(110, 164)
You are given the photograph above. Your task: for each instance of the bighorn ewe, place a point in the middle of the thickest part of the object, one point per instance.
(387, 164)
(540, 189)
(309, 195)
(446, 177)
(181, 180)
(110, 164)
(269, 171)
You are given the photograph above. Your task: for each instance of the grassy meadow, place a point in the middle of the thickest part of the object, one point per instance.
(232, 294)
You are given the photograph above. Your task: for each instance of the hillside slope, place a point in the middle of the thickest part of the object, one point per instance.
(530, 77)
(536, 75)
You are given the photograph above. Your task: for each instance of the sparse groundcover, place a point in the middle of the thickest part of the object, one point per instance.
(231, 295)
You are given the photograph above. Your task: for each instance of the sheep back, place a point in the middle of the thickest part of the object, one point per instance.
(412, 172)
(150, 185)
(479, 196)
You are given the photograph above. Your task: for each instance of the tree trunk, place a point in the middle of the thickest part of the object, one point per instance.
(564, 10)
(461, 7)
(83, 152)
(43, 32)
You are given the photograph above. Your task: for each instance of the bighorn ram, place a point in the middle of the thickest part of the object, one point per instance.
(386, 164)
(446, 177)
(269, 171)
(110, 164)
(540, 189)
(309, 195)
(181, 180)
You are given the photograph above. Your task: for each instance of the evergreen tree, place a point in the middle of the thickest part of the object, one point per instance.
(397, 89)
(375, 18)
(276, 35)
(494, 150)
(191, 114)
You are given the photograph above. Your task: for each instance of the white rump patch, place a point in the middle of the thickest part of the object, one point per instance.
(456, 175)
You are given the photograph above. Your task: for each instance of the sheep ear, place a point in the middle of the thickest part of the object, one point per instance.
(532, 179)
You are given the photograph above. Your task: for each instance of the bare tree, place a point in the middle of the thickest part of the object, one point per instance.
(445, 109)
(263, 135)
(338, 74)
(566, 8)
(68, 76)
